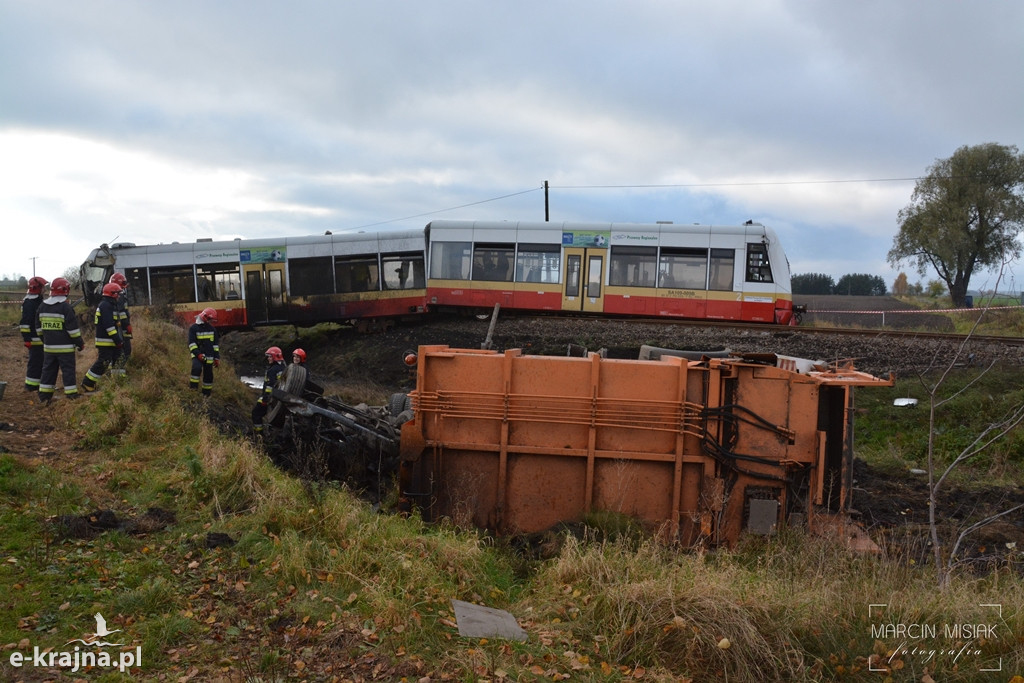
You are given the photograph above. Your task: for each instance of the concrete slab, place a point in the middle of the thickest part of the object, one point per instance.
(476, 621)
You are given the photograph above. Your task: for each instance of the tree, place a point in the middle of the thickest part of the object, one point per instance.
(935, 288)
(946, 557)
(964, 215)
(860, 284)
(900, 287)
(812, 283)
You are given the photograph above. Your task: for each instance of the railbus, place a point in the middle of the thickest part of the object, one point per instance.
(735, 273)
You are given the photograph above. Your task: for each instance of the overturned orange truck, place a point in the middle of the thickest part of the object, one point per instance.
(703, 450)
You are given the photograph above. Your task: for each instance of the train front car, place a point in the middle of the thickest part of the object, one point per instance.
(698, 272)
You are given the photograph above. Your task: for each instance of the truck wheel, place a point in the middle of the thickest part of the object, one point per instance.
(292, 381)
(399, 403)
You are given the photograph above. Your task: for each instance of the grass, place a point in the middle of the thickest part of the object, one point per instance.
(320, 585)
(896, 437)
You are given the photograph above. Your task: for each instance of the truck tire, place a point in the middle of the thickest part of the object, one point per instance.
(292, 381)
(399, 403)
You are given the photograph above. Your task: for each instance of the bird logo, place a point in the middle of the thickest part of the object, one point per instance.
(101, 632)
(101, 626)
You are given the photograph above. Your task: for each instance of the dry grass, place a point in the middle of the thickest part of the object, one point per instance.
(321, 585)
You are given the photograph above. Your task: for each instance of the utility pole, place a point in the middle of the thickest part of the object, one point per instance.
(547, 212)
(33, 259)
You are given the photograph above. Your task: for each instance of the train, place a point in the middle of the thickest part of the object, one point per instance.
(655, 270)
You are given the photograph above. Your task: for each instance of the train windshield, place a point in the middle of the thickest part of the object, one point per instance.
(94, 273)
(93, 277)
(758, 268)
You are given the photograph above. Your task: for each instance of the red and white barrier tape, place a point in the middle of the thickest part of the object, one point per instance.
(927, 310)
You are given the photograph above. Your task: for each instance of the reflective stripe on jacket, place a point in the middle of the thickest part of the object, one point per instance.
(57, 325)
(107, 331)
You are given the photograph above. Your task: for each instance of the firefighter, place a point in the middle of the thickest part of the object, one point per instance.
(205, 349)
(29, 307)
(275, 366)
(124, 319)
(299, 357)
(57, 325)
(108, 336)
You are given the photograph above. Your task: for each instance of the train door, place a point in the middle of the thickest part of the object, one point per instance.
(264, 292)
(583, 281)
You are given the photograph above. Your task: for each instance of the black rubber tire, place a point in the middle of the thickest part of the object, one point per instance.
(399, 403)
(292, 381)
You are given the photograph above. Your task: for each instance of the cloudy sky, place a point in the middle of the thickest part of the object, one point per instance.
(155, 122)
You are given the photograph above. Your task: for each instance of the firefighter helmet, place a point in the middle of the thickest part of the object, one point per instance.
(60, 287)
(36, 284)
(300, 354)
(274, 353)
(112, 289)
(209, 315)
(119, 279)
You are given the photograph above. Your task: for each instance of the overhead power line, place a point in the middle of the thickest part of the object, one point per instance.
(736, 184)
(754, 183)
(451, 208)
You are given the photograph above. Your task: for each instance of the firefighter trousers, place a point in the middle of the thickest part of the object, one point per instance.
(64, 363)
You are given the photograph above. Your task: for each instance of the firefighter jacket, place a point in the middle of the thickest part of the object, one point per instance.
(57, 325)
(108, 332)
(202, 341)
(273, 374)
(124, 319)
(29, 308)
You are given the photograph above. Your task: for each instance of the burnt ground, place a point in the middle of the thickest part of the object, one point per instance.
(893, 508)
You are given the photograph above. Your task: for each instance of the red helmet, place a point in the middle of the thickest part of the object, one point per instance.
(36, 284)
(209, 315)
(300, 354)
(60, 287)
(119, 279)
(274, 353)
(112, 289)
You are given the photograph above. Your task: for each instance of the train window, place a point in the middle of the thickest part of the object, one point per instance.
(217, 283)
(683, 268)
(308, 276)
(449, 260)
(138, 286)
(538, 263)
(493, 262)
(758, 268)
(172, 285)
(633, 266)
(594, 272)
(357, 273)
(723, 267)
(572, 275)
(403, 271)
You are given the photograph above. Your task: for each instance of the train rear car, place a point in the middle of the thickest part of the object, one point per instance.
(657, 270)
(295, 280)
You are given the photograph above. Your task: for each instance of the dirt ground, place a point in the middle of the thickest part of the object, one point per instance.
(871, 312)
(894, 509)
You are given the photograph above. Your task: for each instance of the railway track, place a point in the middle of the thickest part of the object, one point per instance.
(783, 331)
